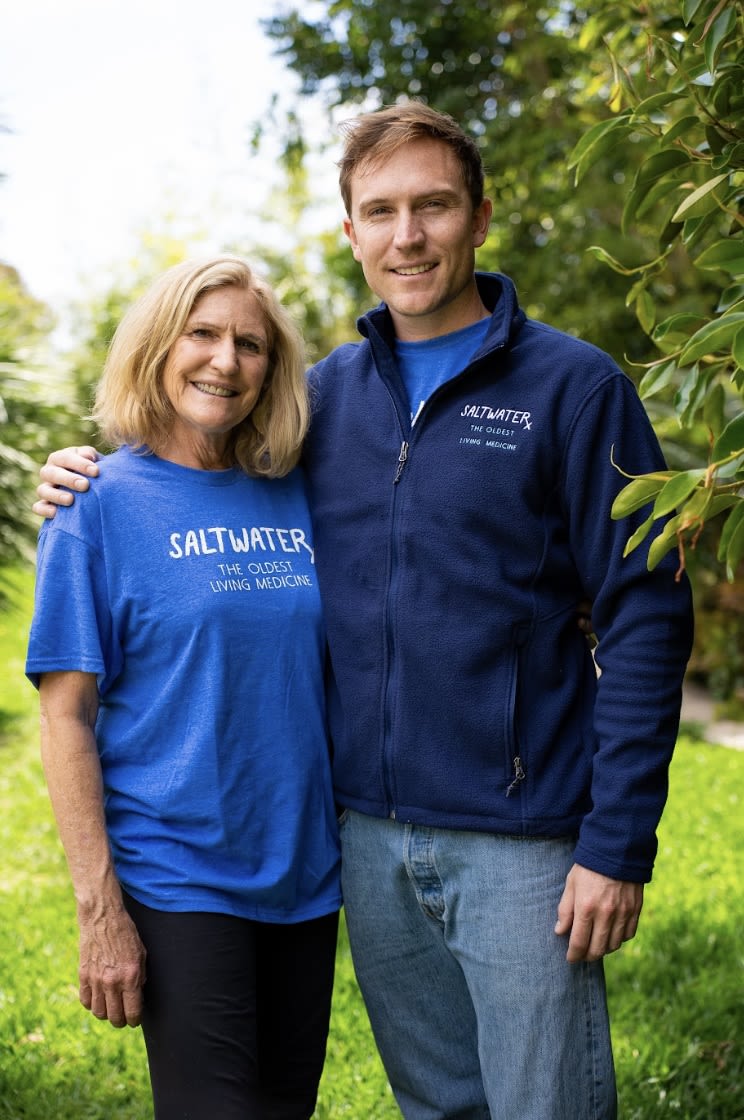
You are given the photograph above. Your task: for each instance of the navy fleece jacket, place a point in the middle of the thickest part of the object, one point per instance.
(451, 557)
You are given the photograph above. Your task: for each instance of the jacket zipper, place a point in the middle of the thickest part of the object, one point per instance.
(402, 460)
(388, 698)
(519, 775)
(387, 713)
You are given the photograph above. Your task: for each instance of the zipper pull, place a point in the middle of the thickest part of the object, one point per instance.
(401, 461)
(519, 775)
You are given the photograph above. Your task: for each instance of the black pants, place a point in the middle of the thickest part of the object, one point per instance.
(236, 1014)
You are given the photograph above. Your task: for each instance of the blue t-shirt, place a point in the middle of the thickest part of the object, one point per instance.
(192, 596)
(426, 365)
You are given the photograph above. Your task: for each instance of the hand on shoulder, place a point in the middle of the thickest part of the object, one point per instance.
(65, 471)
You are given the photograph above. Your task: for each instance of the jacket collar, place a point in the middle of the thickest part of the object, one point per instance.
(498, 294)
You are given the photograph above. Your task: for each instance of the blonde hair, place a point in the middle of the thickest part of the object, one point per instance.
(130, 405)
(373, 137)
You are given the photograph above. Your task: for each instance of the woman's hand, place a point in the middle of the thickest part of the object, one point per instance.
(112, 957)
(112, 964)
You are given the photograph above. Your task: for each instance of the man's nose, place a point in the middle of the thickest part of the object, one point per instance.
(408, 230)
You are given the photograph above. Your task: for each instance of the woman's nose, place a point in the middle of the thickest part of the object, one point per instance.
(225, 355)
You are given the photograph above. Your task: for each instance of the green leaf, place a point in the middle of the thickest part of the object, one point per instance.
(714, 409)
(712, 338)
(722, 502)
(730, 440)
(661, 163)
(677, 490)
(639, 202)
(698, 397)
(689, 9)
(640, 535)
(637, 494)
(731, 156)
(717, 34)
(695, 229)
(691, 394)
(606, 258)
(676, 330)
(699, 202)
(651, 105)
(695, 511)
(646, 310)
(726, 255)
(635, 290)
(731, 295)
(595, 133)
(737, 350)
(731, 543)
(603, 144)
(735, 549)
(716, 142)
(681, 128)
(647, 176)
(665, 542)
(656, 379)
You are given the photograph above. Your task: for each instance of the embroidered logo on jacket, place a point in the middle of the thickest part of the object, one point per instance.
(495, 427)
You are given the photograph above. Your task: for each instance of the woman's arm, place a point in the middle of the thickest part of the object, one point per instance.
(112, 957)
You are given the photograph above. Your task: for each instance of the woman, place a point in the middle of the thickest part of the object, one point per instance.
(178, 647)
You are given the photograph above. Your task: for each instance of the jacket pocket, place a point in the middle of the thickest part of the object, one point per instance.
(515, 760)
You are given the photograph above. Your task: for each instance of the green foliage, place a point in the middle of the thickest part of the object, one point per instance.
(315, 275)
(679, 101)
(520, 78)
(95, 320)
(674, 991)
(32, 405)
(677, 1015)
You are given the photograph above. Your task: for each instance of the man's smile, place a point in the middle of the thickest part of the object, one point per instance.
(413, 270)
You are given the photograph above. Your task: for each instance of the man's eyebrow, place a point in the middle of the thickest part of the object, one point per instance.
(433, 192)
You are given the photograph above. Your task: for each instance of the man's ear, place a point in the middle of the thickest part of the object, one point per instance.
(349, 231)
(481, 222)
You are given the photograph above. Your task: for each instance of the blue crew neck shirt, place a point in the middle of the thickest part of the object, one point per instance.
(424, 366)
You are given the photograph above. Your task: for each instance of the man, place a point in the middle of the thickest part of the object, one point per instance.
(499, 800)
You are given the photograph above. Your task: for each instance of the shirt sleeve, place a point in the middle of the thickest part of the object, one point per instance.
(644, 623)
(71, 629)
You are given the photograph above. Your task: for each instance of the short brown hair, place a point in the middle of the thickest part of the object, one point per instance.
(374, 136)
(131, 407)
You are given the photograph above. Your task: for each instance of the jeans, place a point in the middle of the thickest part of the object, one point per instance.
(236, 1013)
(474, 1008)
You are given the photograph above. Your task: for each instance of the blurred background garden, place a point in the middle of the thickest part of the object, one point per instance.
(613, 136)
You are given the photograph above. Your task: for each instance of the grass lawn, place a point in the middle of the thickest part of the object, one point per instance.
(676, 991)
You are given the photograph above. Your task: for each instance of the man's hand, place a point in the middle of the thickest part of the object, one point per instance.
(584, 620)
(112, 966)
(598, 913)
(64, 468)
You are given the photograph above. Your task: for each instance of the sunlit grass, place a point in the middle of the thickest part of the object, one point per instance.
(676, 992)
